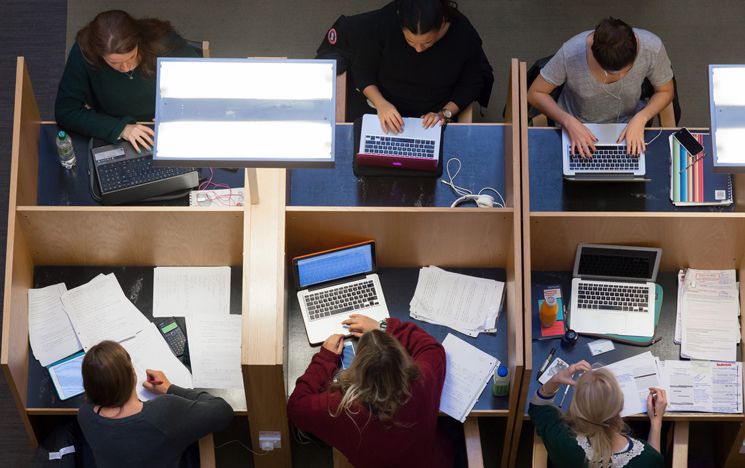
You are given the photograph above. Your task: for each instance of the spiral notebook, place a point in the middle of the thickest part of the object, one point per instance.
(692, 179)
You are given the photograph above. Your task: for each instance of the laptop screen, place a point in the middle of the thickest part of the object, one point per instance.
(333, 265)
(617, 262)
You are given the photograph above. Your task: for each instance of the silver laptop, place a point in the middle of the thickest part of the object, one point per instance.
(335, 283)
(613, 289)
(416, 147)
(608, 163)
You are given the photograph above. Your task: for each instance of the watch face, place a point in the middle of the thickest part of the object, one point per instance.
(447, 113)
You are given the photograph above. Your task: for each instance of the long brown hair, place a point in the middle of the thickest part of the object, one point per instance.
(115, 32)
(595, 412)
(108, 376)
(378, 379)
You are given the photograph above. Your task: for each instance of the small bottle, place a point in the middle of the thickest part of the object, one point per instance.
(65, 150)
(549, 312)
(501, 385)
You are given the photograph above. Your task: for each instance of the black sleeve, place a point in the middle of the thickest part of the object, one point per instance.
(474, 79)
(180, 48)
(366, 42)
(188, 415)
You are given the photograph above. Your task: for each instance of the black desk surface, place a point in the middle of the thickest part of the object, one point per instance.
(665, 349)
(550, 192)
(399, 285)
(58, 186)
(480, 149)
(137, 284)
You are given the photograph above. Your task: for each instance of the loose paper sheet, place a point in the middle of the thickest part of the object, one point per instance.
(635, 375)
(215, 350)
(181, 292)
(50, 332)
(704, 387)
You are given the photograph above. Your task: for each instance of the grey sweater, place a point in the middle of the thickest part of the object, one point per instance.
(157, 435)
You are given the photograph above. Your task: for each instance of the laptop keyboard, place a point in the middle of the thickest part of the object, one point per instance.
(629, 298)
(134, 171)
(342, 299)
(611, 158)
(397, 146)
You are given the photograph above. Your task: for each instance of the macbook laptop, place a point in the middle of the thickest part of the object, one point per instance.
(415, 147)
(613, 289)
(608, 163)
(335, 283)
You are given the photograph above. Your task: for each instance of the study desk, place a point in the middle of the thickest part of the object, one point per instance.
(665, 349)
(137, 284)
(480, 148)
(550, 192)
(60, 186)
(398, 286)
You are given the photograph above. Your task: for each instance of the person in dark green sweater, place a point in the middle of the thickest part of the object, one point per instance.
(109, 80)
(592, 432)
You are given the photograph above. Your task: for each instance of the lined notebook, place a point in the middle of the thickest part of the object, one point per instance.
(692, 180)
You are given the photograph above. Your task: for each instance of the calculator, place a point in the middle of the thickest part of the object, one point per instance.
(174, 336)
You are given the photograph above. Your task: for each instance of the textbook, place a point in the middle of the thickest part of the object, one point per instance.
(692, 179)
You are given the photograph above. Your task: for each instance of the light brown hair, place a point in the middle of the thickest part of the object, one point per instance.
(108, 376)
(115, 32)
(595, 412)
(379, 378)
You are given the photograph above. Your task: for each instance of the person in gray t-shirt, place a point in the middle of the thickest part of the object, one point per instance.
(123, 431)
(602, 72)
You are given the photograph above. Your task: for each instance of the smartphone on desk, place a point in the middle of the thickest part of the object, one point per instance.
(688, 141)
(347, 354)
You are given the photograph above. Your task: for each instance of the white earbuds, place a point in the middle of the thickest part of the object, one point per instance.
(482, 201)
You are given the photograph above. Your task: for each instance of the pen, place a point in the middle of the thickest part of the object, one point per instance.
(564, 396)
(545, 363)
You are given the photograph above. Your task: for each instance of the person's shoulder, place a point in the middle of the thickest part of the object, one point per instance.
(575, 45)
(648, 40)
(462, 25)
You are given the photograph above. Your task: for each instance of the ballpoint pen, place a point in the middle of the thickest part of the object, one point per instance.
(545, 363)
(564, 396)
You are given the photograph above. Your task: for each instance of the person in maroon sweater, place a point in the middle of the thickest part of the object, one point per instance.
(382, 411)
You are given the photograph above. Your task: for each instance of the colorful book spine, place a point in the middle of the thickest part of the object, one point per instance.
(683, 174)
(676, 174)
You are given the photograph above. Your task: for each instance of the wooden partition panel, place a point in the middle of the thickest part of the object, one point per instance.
(133, 236)
(739, 188)
(447, 237)
(686, 239)
(26, 126)
(262, 353)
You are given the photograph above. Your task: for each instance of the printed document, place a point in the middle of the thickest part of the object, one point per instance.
(635, 375)
(215, 350)
(149, 350)
(703, 387)
(100, 311)
(181, 292)
(468, 370)
(49, 329)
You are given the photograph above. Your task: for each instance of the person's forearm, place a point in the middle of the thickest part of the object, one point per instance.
(654, 435)
(452, 107)
(658, 101)
(374, 95)
(546, 104)
(549, 388)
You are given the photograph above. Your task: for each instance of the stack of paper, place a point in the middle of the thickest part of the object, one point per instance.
(181, 292)
(149, 350)
(215, 350)
(99, 310)
(467, 371)
(635, 375)
(464, 303)
(49, 329)
(705, 387)
(708, 327)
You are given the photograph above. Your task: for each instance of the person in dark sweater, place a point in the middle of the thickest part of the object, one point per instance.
(123, 431)
(382, 410)
(592, 433)
(413, 58)
(108, 84)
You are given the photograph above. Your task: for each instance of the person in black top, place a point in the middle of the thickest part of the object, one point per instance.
(123, 431)
(413, 58)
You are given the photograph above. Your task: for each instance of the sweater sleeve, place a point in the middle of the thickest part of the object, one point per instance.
(308, 403)
(426, 351)
(73, 106)
(365, 39)
(560, 441)
(198, 413)
(471, 81)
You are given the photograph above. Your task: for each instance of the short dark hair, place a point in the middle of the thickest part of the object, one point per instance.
(108, 378)
(614, 44)
(423, 16)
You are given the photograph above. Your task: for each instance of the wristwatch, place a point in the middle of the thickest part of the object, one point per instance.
(447, 113)
(383, 324)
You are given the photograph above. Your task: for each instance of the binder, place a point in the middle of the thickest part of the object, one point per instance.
(692, 179)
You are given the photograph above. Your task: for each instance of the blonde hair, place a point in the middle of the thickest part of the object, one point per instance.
(378, 379)
(595, 412)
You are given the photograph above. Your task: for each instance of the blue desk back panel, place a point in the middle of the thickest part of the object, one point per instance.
(480, 149)
(58, 186)
(550, 192)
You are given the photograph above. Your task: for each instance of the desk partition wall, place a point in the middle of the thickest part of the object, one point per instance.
(558, 215)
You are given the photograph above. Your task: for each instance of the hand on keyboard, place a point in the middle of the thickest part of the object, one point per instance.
(433, 118)
(390, 119)
(359, 324)
(582, 139)
(634, 135)
(138, 135)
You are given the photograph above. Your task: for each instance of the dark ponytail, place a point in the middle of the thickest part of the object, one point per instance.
(423, 16)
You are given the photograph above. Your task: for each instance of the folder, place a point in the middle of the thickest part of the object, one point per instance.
(693, 181)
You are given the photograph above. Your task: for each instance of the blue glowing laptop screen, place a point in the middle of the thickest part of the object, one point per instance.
(335, 265)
